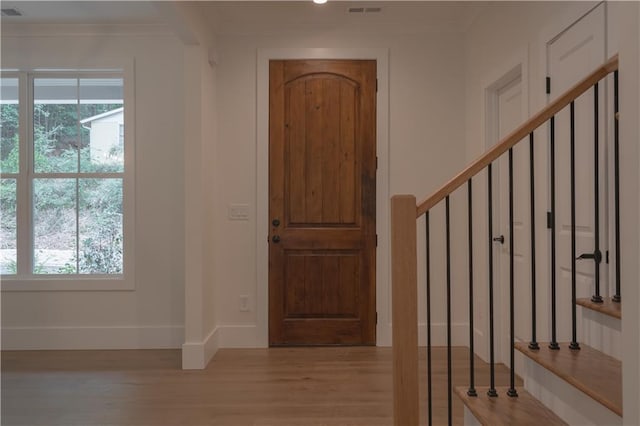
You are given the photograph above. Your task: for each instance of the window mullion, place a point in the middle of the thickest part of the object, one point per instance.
(24, 237)
(79, 145)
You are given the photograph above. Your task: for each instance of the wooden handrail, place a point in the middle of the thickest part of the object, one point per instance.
(518, 134)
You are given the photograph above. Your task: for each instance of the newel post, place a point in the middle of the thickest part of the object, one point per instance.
(404, 310)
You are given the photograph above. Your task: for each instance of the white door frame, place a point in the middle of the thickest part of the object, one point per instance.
(383, 278)
(516, 67)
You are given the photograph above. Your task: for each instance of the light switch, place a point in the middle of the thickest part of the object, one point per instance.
(238, 211)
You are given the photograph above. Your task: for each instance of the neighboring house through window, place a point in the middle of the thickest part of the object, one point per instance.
(65, 181)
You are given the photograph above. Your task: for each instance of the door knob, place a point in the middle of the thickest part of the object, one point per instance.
(276, 239)
(275, 222)
(499, 239)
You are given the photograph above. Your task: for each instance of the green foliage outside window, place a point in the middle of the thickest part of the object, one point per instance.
(58, 148)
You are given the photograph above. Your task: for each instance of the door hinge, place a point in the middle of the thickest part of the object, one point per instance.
(376, 162)
(549, 220)
(607, 256)
(376, 85)
(376, 240)
(548, 85)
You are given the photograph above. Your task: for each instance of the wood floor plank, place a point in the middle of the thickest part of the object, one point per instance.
(525, 410)
(593, 372)
(240, 387)
(607, 307)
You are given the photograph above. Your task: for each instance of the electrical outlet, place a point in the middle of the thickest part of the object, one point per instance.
(244, 303)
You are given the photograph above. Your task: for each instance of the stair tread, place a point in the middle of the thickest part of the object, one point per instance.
(589, 370)
(607, 307)
(525, 410)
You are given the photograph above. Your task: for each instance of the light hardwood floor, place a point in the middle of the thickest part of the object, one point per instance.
(346, 386)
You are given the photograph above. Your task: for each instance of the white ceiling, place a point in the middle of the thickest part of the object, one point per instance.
(82, 12)
(276, 16)
(242, 17)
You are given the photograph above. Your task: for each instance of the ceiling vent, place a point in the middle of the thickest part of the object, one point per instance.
(365, 9)
(11, 12)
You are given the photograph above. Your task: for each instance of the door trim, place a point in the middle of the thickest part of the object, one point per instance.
(383, 278)
(514, 67)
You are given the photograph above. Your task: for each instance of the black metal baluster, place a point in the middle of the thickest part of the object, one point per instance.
(534, 343)
(616, 171)
(472, 390)
(552, 138)
(492, 374)
(512, 390)
(574, 328)
(449, 375)
(429, 376)
(597, 255)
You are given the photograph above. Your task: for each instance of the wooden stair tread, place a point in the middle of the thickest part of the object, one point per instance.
(591, 371)
(607, 307)
(525, 410)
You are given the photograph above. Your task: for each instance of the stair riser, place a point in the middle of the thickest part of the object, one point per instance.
(569, 403)
(469, 418)
(601, 332)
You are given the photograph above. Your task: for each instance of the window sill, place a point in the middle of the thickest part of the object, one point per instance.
(101, 283)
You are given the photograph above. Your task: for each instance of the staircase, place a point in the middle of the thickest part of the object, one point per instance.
(578, 382)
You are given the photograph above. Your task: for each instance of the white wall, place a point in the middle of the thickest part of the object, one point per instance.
(153, 314)
(504, 36)
(425, 146)
(624, 37)
(200, 137)
(501, 36)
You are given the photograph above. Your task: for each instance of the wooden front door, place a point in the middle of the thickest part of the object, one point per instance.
(322, 168)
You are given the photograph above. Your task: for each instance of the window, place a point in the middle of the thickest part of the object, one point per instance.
(64, 179)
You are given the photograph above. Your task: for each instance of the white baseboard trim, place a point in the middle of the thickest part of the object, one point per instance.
(196, 355)
(240, 336)
(58, 338)
(246, 336)
(383, 335)
(459, 334)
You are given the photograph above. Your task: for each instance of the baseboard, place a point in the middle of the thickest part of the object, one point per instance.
(196, 355)
(459, 334)
(239, 336)
(383, 335)
(58, 338)
(246, 336)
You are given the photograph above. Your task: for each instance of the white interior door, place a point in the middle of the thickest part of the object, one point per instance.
(572, 55)
(509, 114)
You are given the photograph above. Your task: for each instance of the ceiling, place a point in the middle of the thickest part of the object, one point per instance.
(82, 12)
(241, 17)
(260, 17)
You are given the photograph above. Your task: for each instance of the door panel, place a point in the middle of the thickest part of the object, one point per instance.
(509, 115)
(322, 202)
(320, 151)
(572, 55)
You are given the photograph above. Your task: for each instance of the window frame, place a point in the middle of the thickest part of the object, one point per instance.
(24, 279)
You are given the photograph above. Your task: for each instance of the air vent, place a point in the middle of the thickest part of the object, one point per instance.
(365, 10)
(11, 12)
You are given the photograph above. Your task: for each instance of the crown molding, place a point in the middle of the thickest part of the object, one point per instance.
(66, 30)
